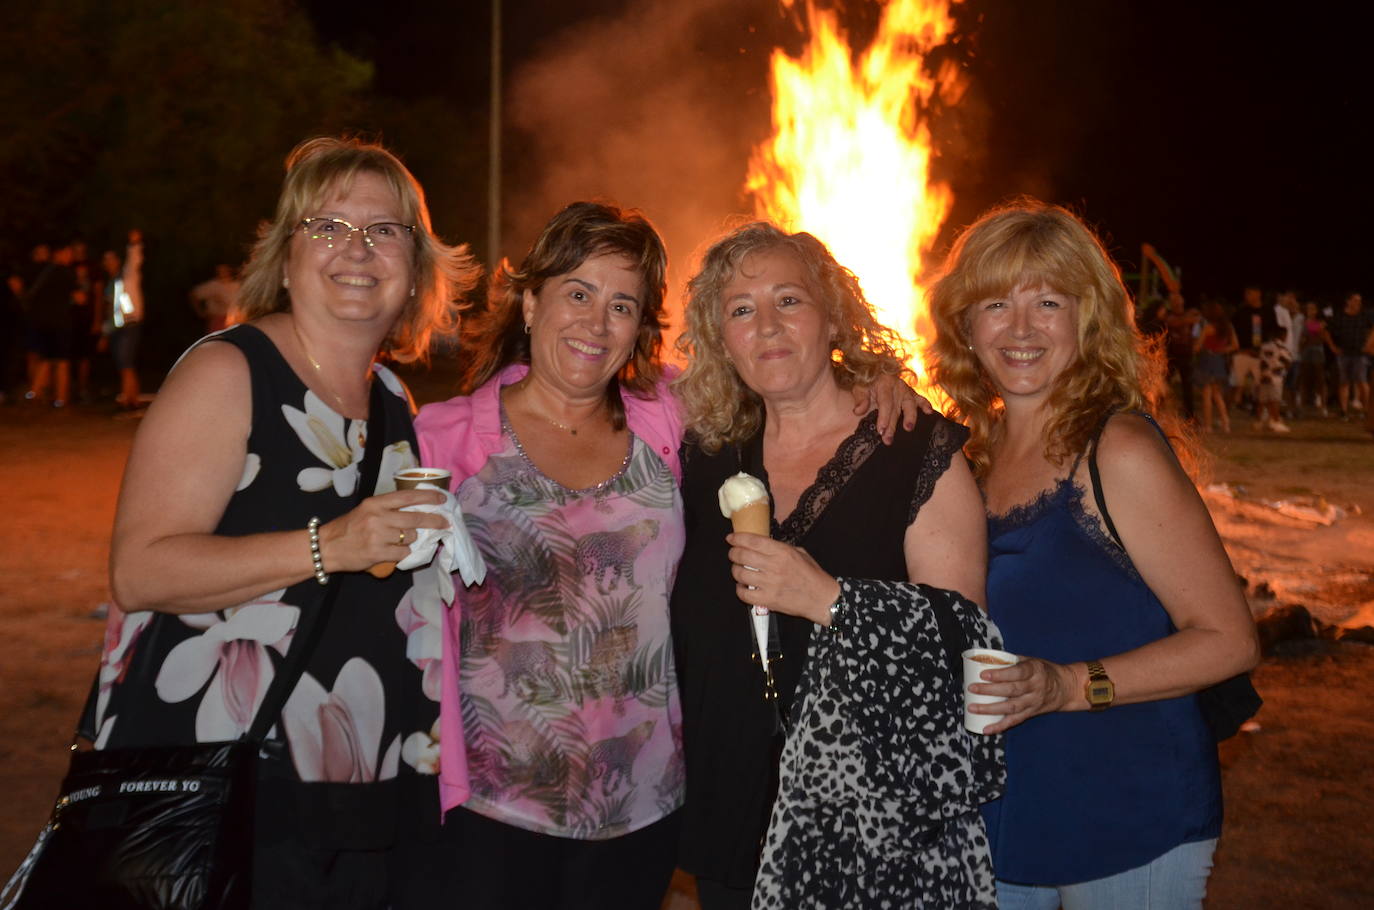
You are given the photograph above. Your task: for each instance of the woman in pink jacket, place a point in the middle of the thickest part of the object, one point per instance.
(560, 721)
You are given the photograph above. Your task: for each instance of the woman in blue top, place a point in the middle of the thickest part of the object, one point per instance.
(1113, 795)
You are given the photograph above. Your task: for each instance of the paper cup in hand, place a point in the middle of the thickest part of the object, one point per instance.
(744, 500)
(976, 660)
(413, 479)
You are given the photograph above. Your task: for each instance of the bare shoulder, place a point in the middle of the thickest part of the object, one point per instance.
(1134, 442)
(1137, 463)
(209, 387)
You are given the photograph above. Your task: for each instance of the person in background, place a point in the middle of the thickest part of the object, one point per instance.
(123, 316)
(1314, 341)
(49, 300)
(11, 331)
(216, 300)
(1181, 324)
(1289, 317)
(1214, 344)
(85, 327)
(1274, 363)
(1254, 324)
(1350, 326)
(1120, 613)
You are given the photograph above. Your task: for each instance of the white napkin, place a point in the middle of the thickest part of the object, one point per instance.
(459, 553)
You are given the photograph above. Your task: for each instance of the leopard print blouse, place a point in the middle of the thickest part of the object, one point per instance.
(880, 783)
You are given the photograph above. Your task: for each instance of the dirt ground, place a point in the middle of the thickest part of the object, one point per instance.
(1299, 809)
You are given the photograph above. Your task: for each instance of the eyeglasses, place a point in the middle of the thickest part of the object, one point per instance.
(384, 235)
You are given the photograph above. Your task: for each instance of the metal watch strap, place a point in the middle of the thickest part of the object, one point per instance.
(1097, 674)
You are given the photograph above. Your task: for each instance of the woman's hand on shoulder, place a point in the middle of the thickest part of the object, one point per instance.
(781, 577)
(895, 400)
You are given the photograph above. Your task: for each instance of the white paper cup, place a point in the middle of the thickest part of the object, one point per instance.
(976, 660)
(414, 478)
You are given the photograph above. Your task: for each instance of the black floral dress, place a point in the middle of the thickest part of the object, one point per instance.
(352, 759)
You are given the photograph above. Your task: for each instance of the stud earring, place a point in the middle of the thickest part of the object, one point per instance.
(412, 291)
(285, 281)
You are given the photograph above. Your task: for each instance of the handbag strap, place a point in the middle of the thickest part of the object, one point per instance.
(311, 630)
(951, 634)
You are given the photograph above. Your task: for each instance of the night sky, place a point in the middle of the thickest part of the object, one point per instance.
(1232, 141)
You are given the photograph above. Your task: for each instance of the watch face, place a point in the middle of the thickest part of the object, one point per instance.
(1100, 691)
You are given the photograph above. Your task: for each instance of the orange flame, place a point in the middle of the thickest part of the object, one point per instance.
(849, 158)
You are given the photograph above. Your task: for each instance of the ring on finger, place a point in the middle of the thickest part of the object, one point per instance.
(401, 538)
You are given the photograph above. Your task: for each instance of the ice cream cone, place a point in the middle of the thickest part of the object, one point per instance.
(753, 518)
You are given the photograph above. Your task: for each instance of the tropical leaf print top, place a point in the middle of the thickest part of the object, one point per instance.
(568, 691)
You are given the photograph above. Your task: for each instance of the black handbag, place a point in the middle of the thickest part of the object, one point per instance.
(168, 828)
(158, 828)
(1231, 702)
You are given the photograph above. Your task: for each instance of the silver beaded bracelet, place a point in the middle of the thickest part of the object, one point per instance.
(313, 526)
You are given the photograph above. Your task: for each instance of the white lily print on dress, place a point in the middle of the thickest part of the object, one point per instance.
(392, 384)
(252, 464)
(231, 654)
(420, 614)
(337, 736)
(396, 457)
(121, 631)
(330, 438)
(421, 750)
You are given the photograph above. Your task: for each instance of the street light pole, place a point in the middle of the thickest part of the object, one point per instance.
(494, 143)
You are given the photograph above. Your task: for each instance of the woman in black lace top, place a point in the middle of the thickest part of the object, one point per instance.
(777, 332)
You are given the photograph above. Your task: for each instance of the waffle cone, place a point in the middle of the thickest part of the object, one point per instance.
(753, 518)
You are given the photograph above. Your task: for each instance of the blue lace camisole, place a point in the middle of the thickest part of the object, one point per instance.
(1089, 794)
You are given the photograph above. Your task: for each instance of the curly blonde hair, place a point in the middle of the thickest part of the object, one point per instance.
(316, 170)
(1029, 244)
(495, 336)
(719, 408)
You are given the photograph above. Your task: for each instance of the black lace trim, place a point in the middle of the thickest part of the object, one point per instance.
(945, 439)
(1090, 523)
(1074, 496)
(831, 479)
(1027, 512)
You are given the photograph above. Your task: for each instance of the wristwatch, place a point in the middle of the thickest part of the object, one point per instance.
(1099, 689)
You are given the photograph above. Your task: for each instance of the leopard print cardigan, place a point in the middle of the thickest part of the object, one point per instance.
(880, 784)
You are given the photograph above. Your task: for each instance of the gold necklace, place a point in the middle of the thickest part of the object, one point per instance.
(316, 364)
(562, 426)
(544, 417)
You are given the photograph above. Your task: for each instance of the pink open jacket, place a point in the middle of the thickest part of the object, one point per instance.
(460, 435)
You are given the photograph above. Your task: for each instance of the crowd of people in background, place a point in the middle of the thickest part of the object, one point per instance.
(1279, 357)
(67, 317)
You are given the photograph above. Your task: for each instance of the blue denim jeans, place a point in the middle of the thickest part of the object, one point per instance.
(1175, 881)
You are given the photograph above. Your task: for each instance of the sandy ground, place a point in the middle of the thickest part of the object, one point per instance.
(1300, 819)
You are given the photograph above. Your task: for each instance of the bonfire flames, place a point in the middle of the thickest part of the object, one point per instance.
(849, 158)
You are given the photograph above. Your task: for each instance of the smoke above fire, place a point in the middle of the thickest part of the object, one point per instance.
(655, 110)
(673, 107)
